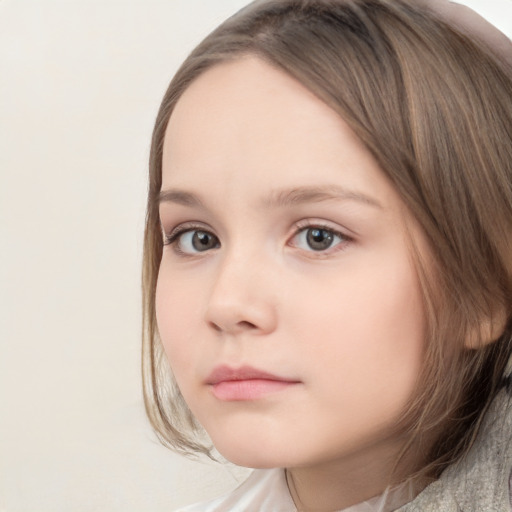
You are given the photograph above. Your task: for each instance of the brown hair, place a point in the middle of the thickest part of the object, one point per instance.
(434, 108)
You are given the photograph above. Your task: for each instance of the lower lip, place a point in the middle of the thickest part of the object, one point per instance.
(250, 389)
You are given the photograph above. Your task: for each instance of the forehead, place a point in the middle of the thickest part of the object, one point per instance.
(244, 125)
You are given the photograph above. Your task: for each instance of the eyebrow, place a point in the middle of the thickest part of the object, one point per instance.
(301, 195)
(179, 197)
(280, 198)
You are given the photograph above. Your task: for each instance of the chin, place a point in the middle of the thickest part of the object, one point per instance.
(251, 454)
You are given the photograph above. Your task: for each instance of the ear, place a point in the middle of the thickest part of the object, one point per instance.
(489, 330)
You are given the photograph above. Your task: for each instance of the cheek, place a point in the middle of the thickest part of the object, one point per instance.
(176, 314)
(383, 303)
(366, 333)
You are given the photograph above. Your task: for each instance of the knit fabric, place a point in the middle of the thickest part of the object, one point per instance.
(481, 481)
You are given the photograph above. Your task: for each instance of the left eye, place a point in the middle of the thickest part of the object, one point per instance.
(317, 239)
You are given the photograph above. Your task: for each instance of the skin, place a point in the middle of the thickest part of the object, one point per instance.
(345, 325)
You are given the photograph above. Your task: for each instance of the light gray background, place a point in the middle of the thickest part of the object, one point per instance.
(80, 84)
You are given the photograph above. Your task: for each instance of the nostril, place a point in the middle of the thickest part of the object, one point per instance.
(246, 325)
(239, 326)
(215, 327)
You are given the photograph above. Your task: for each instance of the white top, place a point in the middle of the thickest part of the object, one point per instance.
(266, 490)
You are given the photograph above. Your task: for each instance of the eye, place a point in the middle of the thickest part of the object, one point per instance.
(317, 238)
(192, 241)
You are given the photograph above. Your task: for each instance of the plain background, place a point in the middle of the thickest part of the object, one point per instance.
(80, 84)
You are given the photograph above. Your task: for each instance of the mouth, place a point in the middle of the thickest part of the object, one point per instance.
(245, 383)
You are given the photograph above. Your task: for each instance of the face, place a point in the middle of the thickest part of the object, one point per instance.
(287, 301)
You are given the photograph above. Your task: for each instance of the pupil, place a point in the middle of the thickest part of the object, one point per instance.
(319, 239)
(202, 241)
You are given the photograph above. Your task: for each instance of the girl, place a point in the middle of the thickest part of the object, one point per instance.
(328, 258)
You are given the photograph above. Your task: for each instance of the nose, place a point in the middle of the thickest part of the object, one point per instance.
(242, 298)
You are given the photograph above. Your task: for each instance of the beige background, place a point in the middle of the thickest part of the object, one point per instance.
(80, 84)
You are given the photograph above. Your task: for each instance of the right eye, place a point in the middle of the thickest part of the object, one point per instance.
(192, 241)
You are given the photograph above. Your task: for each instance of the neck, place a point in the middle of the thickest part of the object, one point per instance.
(340, 484)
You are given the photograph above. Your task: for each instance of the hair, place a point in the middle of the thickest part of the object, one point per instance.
(434, 108)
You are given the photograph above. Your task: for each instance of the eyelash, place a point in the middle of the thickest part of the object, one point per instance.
(172, 239)
(306, 225)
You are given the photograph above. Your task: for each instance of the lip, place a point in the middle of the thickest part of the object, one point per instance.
(245, 383)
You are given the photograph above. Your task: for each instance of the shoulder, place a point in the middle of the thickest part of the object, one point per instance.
(480, 481)
(265, 490)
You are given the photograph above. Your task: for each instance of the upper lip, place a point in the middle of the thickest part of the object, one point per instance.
(226, 373)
